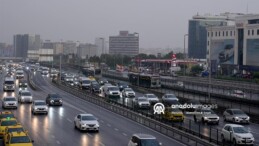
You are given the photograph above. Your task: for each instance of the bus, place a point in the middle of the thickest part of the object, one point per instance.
(144, 80)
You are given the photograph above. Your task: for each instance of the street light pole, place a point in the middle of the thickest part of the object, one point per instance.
(184, 53)
(60, 68)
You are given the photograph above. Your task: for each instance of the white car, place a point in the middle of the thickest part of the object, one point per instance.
(128, 92)
(236, 116)
(152, 98)
(169, 97)
(9, 102)
(25, 96)
(237, 135)
(39, 106)
(237, 93)
(206, 116)
(86, 122)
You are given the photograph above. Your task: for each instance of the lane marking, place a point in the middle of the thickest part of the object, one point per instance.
(116, 129)
(124, 134)
(69, 120)
(58, 142)
(89, 135)
(108, 125)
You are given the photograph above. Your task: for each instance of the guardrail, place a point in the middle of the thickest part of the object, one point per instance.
(185, 135)
(30, 81)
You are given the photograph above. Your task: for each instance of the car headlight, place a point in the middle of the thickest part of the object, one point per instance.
(60, 100)
(238, 136)
(236, 117)
(248, 118)
(51, 100)
(205, 118)
(97, 125)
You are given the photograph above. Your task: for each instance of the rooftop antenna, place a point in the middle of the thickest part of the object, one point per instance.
(247, 8)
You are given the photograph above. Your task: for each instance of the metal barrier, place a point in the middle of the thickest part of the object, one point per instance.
(187, 136)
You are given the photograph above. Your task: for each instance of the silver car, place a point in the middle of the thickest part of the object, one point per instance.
(206, 116)
(86, 122)
(39, 106)
(235, 116)
(9, 102)
(152, 98)
(128, 92)
(25, 96)
(141, 102)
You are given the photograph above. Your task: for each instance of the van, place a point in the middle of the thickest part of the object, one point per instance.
(84, 83)
(9, 84)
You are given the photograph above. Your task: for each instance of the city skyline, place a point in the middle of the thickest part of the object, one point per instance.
(160, 25)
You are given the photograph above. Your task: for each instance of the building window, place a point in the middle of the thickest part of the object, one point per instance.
(216, 33)
(219, 33)
(234, 33)
(248, 33)
(211, 34)
(208, 43)
(257, 31)
(226, 33)
(252, 32)
(208, 34)
(223, 33)
(230, 33)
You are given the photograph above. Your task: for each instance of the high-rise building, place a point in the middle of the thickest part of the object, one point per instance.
(85, 51)
(124, 44)
(197, 33)
(101, 47)
(69, 47)
(24, 42)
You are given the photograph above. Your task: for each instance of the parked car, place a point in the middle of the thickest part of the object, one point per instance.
(206, 116)
(143, 140)
(54, 99)
(237, 135)
(152, 98)
(128, 92)
(86, 122)
(235, 116)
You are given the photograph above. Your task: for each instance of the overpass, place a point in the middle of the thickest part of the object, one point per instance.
(12, 58)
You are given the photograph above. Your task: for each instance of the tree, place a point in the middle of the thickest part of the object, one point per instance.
(196, 69)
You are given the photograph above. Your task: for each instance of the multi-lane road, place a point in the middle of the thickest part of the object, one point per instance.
(57, 127)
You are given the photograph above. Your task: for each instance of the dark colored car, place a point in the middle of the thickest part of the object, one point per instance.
(23, 85)
(95, 87)
(102, 81)
(54, 99)
(122, 85)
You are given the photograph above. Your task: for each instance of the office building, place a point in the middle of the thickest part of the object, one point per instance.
(85, 51)
(101, 47)
(124, 44)
(197, 33)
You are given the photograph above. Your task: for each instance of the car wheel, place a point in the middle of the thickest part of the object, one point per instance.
(75, 125)
(234, 142)
(97, 131)
(203, 121)
(222, 139)
(233, 120)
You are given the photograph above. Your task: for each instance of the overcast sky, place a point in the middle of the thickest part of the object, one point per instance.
(160, 23)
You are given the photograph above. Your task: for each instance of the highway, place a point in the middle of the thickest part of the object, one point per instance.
(57, 127)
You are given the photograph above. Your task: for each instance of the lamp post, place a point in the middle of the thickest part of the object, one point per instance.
(184, 53)
(60, 58)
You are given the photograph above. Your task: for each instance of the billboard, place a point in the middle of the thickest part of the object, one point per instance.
(252, 52)
(222, 51)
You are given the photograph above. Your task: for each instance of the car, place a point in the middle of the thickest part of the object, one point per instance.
(6, 114)
(69, 77)
(13, 128)
(128, 92)
(206, 116)
(19, 74)
(171, 103)
(173, 114)
(167, 97)
(54, 99)
(227, 53)
(95, 87)
(112, 92)
(6, 122)
(18, 138)
(25, 96)
(86, 122)
(122, 85)
(105, 86)
(69, 83)
(196, 104)
(45, 71)
(152, 98)
(23, 85)
(39, 106)
(9, 84)
(237, 93)
(237, 135)
(76, 81)
(143, 140)
(63, 75)
(141, 102)
(9, 102)
(84, 83)
(236, 116)
(102, 81)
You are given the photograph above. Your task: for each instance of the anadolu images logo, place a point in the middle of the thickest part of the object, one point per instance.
(159, 108)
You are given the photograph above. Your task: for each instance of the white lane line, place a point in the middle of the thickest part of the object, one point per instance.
(58, 142)
(69, 120)
(108, 125)
(116, 129)
(124, 134)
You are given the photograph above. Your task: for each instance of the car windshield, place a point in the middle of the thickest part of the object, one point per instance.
(149, 142)
(113, 89)
(9, 99)
(6, 115)
(128, 89)
(238, 112)
(151, 96)
(9, 123)
(20, 139)
(26, 94)
(86, 82)
(19, 73)
(40, 103)
(9, 82)
(88, 118)
(142, 99)
(240, 130)
(94, 82)
(207, 111)
(170, 96)
(54, 96)
(15, 129)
